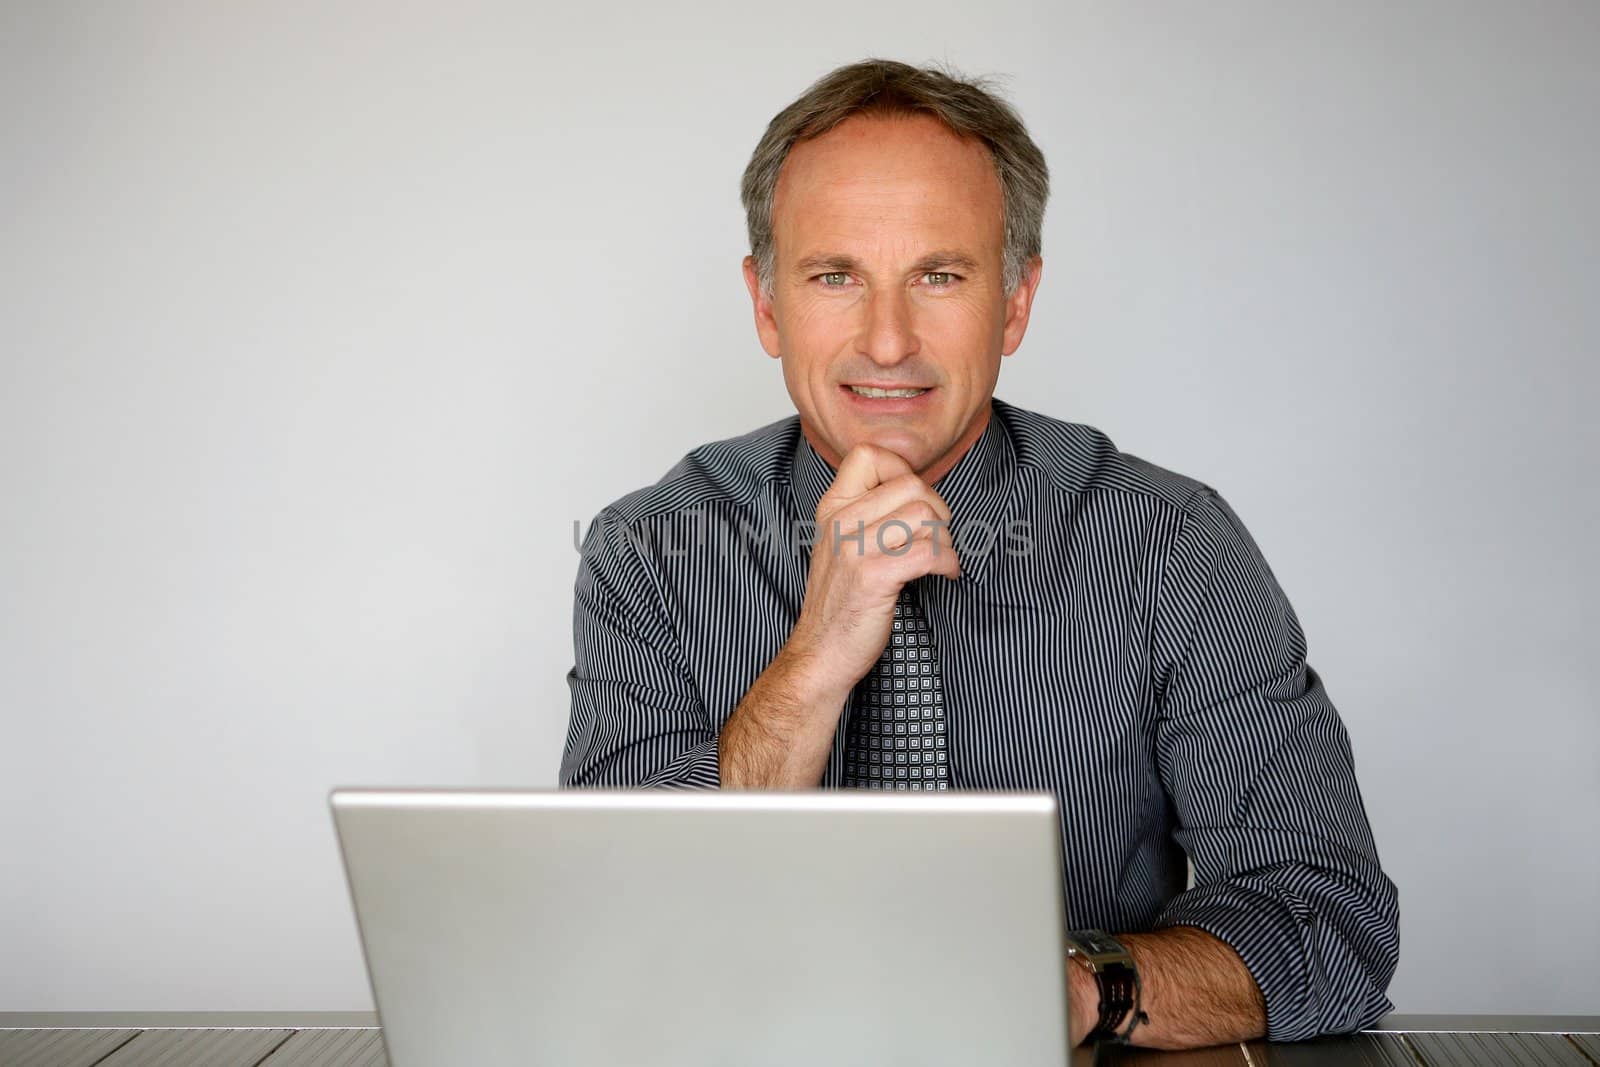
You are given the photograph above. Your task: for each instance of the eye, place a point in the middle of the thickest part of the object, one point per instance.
(940, 279)
(843, 279)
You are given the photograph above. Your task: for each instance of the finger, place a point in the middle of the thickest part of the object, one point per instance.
(913, 519)
(890, 497)
(912, 533)
(914, 530)
(888, 534)
(944, 557)
(863, 469)
(926, 555)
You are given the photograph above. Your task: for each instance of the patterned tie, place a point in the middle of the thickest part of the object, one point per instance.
(896, 737)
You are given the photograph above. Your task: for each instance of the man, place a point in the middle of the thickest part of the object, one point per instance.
(994, 599)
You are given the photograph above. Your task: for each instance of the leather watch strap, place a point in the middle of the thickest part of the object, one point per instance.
(1118, 996)
(1116, 978)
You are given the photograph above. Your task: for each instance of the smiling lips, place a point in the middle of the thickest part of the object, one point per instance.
(876, 393)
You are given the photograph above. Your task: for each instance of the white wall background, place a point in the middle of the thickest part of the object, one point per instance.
(322, 323)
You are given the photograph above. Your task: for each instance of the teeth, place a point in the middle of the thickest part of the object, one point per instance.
(867, 390)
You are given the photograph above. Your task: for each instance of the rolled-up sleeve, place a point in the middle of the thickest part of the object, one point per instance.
(1260, 771)
(637, 718)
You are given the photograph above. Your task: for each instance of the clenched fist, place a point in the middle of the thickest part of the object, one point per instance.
(878, 527)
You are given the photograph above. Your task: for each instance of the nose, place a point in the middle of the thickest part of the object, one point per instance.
(888, 334)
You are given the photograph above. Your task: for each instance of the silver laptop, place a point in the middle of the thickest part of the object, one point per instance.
(583, 927)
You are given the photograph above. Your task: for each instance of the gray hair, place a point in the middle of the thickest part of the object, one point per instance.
(886, 87)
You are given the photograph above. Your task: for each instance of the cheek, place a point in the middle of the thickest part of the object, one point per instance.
(804, 338)
(965, 331)
(813, 332)
(816, 319)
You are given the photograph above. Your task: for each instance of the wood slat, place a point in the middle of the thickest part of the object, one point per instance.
(197, 1048)
(1495, 1050)
(1364, 1050)
(1588, 1044)
(330, 1048)
(1479, 1024)
(1217, 1056)
(194, 1020)
(60, 1048)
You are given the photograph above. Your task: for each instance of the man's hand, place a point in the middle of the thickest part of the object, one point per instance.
(879, 526)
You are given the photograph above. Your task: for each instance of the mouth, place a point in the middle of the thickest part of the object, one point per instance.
(873, 392)
(886, 401)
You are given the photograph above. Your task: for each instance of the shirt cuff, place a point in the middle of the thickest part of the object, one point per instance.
(694, 768)
(1310, 987)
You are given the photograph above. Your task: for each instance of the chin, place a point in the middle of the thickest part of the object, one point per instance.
(906, 437)
(909, 446)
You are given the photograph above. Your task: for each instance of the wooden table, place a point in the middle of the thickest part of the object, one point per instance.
(352, 1039)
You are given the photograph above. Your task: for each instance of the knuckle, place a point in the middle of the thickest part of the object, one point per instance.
(862, 450)
(908, 482)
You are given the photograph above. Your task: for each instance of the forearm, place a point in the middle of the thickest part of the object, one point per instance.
(780, 735)
(1194, 989)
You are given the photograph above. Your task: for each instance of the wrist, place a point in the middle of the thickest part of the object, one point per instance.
(808, 678)
(1107, 965)
(780, 735)
(1083, 1000)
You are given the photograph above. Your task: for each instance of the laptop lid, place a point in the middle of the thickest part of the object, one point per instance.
(589, 927)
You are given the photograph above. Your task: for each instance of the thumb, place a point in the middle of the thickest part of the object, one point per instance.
(863, 469)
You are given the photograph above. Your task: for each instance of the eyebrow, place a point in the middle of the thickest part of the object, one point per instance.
(828, 262)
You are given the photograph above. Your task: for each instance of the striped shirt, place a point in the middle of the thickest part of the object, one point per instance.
(1115, 637)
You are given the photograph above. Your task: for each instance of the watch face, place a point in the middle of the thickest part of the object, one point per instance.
(1100, 945)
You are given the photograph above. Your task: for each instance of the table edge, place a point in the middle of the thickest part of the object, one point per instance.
(364, 1020)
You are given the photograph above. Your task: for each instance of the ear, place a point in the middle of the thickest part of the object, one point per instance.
(1019, 305)
(766, 324)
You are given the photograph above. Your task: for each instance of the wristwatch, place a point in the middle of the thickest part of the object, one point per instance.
(1115, 975)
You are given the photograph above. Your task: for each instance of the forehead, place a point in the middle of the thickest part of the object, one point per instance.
(888, 180)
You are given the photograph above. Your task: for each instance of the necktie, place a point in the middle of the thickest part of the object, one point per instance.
(896, 736)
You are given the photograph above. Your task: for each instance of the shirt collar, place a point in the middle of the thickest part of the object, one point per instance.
(976, 489)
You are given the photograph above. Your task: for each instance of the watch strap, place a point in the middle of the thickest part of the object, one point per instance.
(1117, 979)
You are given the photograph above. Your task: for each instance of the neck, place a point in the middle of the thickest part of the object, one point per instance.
(969, 437)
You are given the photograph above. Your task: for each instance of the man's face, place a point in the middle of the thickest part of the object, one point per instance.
(888, 235)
